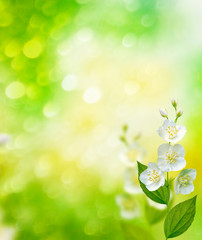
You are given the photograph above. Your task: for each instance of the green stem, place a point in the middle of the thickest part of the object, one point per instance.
(176, 119)
(167, 185)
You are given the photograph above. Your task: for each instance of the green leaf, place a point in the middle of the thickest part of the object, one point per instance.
(180, 218)
(161, 195)
(134, 232)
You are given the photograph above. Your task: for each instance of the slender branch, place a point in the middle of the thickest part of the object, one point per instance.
(167, 185)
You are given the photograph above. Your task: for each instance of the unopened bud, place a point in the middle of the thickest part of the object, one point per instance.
(163, 112)
(179, 113)
(125, 128)
(174, 102)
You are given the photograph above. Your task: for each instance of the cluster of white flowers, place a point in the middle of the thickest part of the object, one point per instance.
(127, 201)
(170, 158)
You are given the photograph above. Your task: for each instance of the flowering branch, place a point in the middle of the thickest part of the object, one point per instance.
(170, 158)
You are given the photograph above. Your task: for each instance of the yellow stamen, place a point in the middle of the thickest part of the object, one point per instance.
(185, 180)
(171, 157)
(172, 131)
(153, 176)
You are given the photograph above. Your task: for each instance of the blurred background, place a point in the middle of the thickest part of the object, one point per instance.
(72, 72)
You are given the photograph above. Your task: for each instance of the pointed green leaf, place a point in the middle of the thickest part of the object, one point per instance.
(180, 218)
(161, 195)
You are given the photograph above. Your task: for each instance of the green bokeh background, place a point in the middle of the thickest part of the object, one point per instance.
(71, 74)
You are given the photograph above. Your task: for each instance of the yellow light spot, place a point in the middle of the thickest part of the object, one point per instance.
(32, 48)
(92, 95)
(15, 90)
(12, 49)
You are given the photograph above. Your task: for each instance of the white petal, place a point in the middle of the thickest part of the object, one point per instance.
(187, 189)
(163, 148)
(181, 133)
(153, 166)
(144, 178)
(153, 187)
(163, 133)
(163, 165)
(179, 150)
(168, 122)
(178, 165)
(192, 173)
(177, 186)
(162, 176)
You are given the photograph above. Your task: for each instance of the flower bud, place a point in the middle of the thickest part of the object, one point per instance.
(163, 112)
(125, 128)
(174, 102)
(179, 113)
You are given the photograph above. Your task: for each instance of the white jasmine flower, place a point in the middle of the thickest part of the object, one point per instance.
(131, 181)
(128, 205)
(131, 155)
(171, 158)
(163, 112)
(152, 177)
(184, 181)
(171, 132)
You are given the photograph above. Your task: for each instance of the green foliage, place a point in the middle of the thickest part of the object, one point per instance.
(134, 232)
(180, 218)
(161, 195)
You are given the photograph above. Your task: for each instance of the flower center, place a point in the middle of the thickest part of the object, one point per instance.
(185, 180)
(171, 157)
(153, 176)
(132, 155)
(172, 131)
(128, 204)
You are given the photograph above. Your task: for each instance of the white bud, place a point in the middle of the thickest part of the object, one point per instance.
(179, 113)
(163, 112)
(174, 102)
